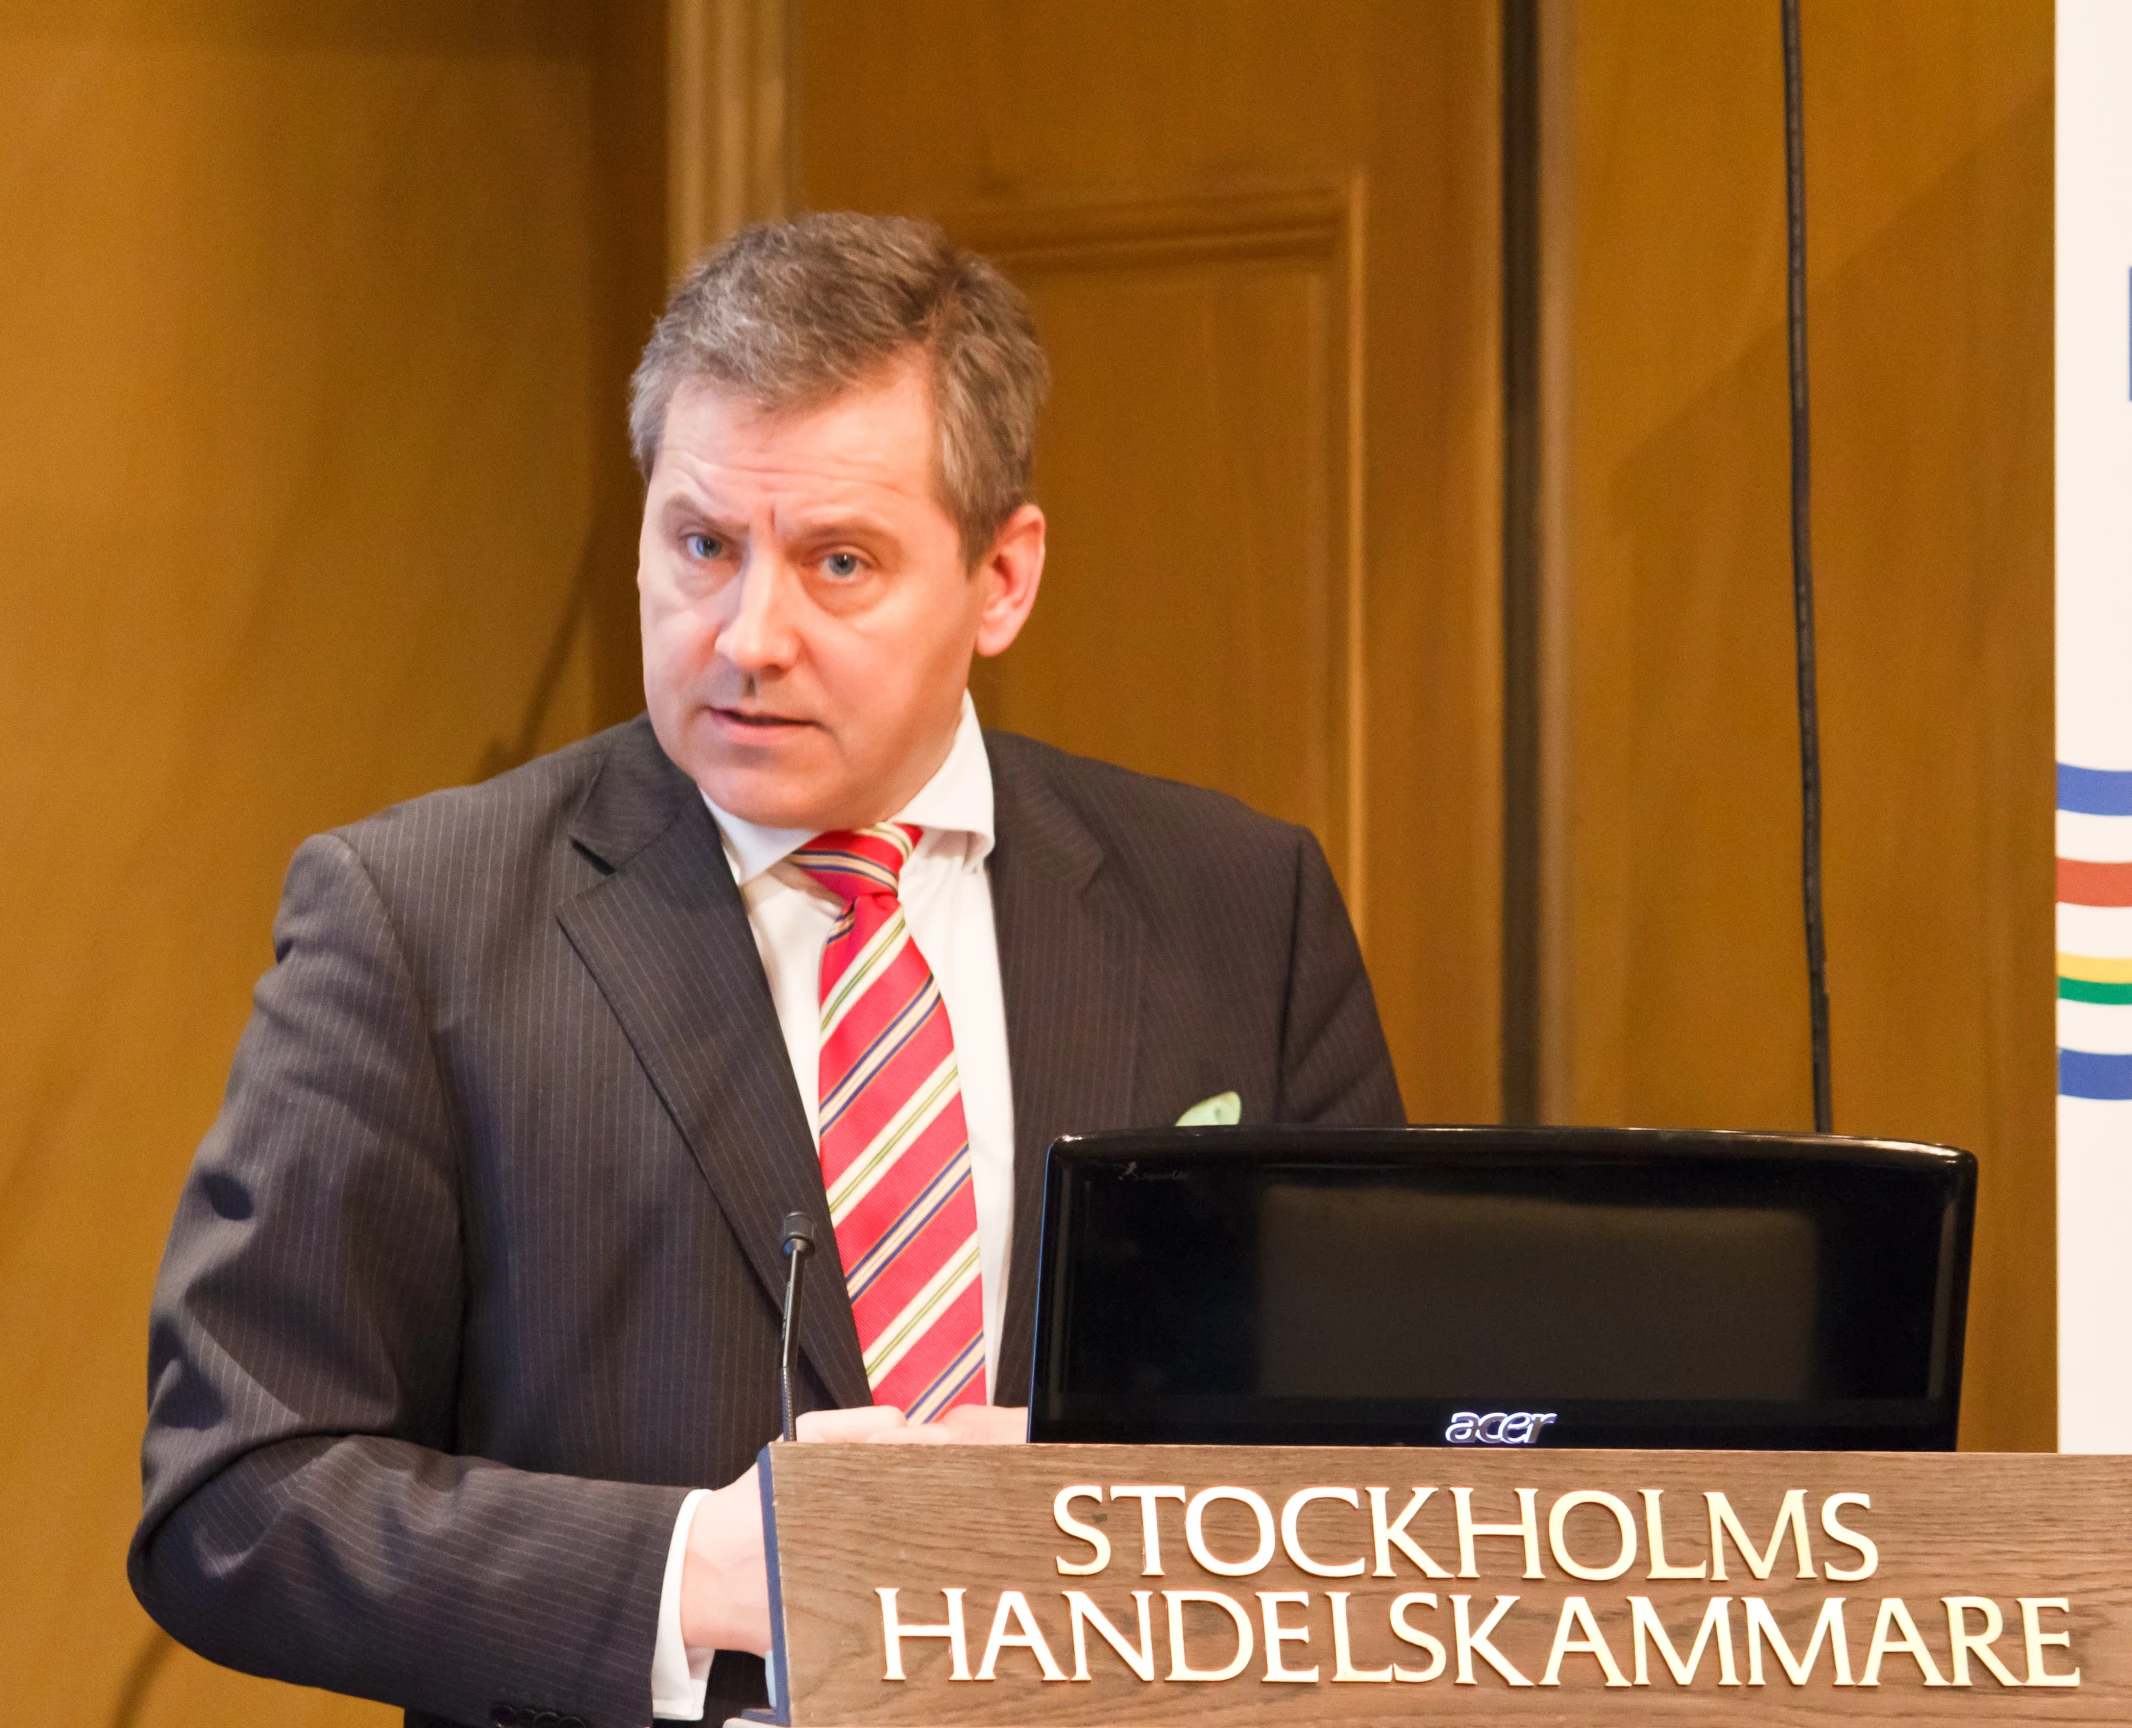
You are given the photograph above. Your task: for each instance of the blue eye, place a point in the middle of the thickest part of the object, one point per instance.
(702, 545)
(842, 565)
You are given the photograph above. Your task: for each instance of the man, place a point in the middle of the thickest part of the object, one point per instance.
(467, 1333)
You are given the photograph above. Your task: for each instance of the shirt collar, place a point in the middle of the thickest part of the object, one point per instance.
(956, 802)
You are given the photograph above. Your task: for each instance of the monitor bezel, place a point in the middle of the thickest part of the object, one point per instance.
(1921, 1424)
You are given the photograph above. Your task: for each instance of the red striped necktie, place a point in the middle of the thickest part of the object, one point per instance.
(895, 1149)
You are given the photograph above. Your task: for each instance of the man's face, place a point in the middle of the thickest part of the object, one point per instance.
(808, 614)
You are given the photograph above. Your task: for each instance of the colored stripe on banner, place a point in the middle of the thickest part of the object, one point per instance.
(2081, 883)
(2094, 968)
(2095, 791)
(2101, 1027)
(2099, 839)
(2093, 929)
(2092, 1074)
(2090, 990)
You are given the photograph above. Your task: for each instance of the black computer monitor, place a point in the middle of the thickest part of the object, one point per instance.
(1556, 1287)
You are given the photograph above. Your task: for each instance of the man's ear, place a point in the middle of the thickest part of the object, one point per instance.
(1010, 573)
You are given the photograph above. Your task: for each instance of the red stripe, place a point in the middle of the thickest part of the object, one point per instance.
(907, 1177)
(956, 1325)
(885, 998)
(867, 916)
(965, 1375)
(972, 1387)
(910, 1176)
(946, 1234)
(2084, 884)
(892, 1086)
(901, 1183)
(925, 1046)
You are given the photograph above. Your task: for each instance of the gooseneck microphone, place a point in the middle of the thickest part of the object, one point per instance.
(798, 1244)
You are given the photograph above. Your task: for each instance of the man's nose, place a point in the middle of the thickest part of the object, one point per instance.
(761, 637)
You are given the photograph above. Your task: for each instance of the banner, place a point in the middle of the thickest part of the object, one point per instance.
(2094, 510)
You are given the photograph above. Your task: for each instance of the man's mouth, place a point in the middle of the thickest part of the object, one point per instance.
(757, 721)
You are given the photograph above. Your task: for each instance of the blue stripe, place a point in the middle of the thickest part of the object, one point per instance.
(2094, 791)
(961, 1371)
(2093, 1074)
(839, 871)
(863, 1276)
(908, 1020)
(865, 1061)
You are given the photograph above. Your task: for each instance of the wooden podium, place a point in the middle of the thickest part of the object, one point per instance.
(1214, 1585)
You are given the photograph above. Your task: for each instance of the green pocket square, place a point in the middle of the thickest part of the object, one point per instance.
(1223, 1110)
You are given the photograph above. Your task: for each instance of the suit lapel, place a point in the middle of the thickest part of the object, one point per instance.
(1069, 974)
(666, 937)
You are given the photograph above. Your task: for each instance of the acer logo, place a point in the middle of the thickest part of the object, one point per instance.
(1497, 1427)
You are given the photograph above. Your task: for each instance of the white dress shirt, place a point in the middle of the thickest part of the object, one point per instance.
(947, 902)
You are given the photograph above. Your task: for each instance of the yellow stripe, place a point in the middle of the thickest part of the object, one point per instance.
(2095, 969)
(893, 833)
(953, 1174)
(880, 952)
(901, 1030)
(911, 1325)
(907, 1124)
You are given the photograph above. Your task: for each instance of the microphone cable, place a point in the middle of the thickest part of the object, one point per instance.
(1802, 570)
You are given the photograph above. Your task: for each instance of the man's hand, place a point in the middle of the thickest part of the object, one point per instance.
(725, 1588)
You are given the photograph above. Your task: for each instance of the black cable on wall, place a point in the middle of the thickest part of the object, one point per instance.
(1802, 571)
(1520, 1031)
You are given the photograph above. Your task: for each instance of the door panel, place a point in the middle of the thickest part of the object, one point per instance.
(1222, 324)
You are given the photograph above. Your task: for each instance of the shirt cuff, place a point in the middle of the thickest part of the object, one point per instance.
(678, 1674)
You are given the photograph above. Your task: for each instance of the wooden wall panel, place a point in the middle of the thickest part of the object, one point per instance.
(309, 413)
(1273, 480)
(1228, 323)
(1680, 990)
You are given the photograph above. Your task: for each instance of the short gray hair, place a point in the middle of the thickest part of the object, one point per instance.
(792, 314)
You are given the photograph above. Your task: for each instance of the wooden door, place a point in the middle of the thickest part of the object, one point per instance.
(1260, 238)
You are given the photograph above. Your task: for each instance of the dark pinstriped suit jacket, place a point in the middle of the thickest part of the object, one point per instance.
(477, 1272)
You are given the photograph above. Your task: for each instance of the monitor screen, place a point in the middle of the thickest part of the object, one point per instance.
(1584, 1287)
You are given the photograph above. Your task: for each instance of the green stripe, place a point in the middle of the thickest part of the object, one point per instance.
(886, 944)
(2088, 990)
(862, 1073)
(948, 1287)
(893, 1142)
